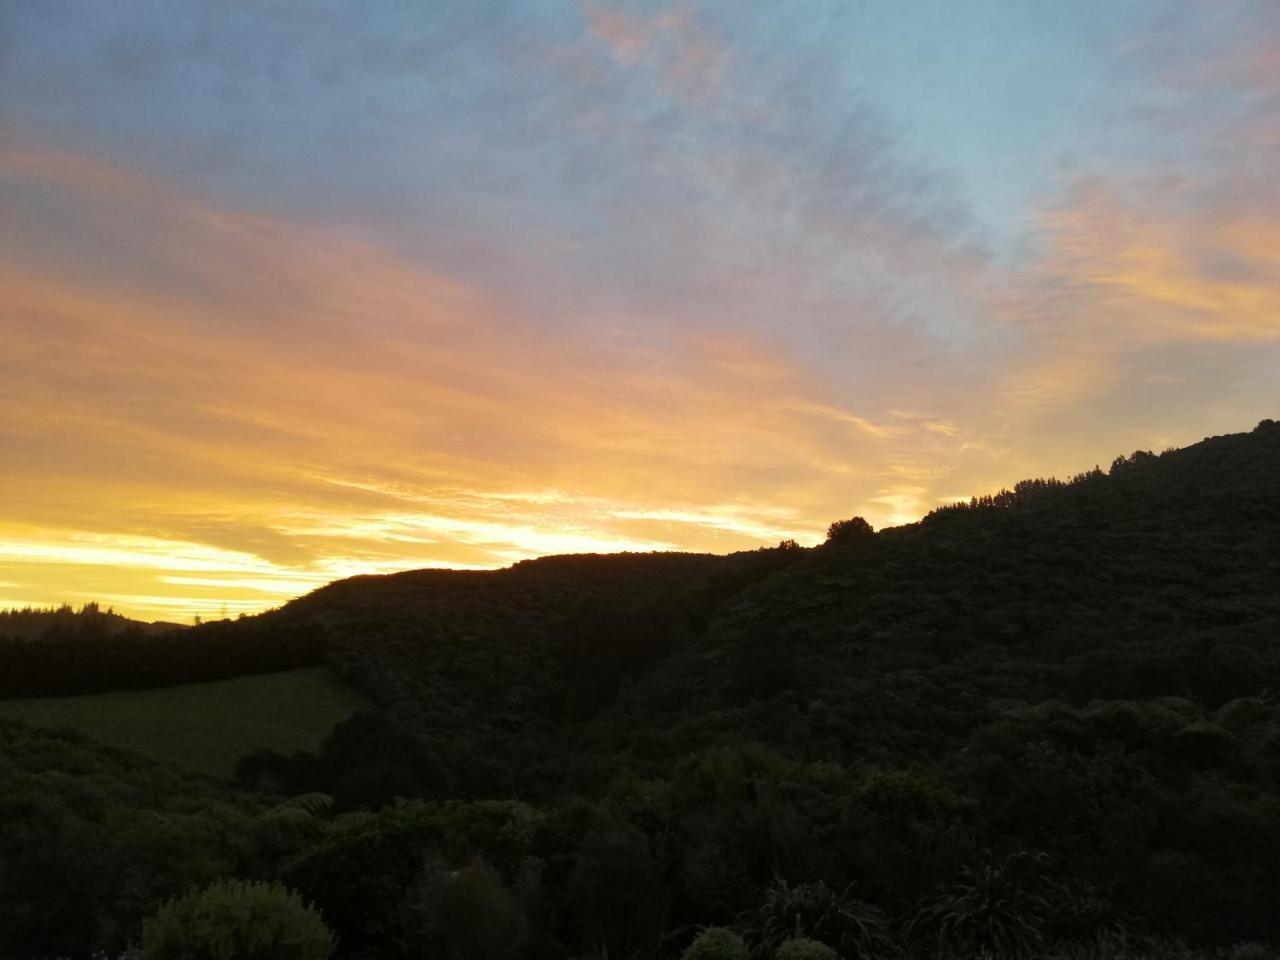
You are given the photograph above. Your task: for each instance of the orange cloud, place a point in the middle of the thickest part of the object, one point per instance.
(1144, 292)
(1127, 273)
(1208, 275)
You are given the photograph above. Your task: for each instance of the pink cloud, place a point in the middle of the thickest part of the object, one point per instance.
(672, 42)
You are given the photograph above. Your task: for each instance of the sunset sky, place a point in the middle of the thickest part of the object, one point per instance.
(292, 291)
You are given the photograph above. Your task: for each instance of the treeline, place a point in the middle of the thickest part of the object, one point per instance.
(1199, 469)
(30, 622)
(90, 652)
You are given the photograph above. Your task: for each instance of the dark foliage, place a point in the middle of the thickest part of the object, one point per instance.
(236, 919)
(93, 839)
(54, 653)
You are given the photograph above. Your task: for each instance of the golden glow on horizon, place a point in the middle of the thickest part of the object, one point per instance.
(235, 410)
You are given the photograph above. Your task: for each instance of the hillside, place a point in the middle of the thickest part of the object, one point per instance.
(1156, 578)
(496, 668)
(1087, 667)
(1059, 700)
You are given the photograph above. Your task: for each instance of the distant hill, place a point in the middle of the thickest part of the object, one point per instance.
(30, 622)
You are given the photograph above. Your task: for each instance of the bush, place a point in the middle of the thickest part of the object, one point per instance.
(468, 913)
(803, 948)
(716, 943)
(812, 910)
(237, 920)
(996, 910)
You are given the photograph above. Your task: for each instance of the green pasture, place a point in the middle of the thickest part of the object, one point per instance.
(205, 727)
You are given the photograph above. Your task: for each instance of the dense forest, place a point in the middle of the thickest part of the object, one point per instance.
(1039, 724)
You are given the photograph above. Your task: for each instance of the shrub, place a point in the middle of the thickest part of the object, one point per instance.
(995, 911)
(716, 943)
(236, 920)
(803, 948)
(468, 913)
(856, 929)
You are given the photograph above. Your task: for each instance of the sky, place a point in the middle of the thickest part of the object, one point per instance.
(294, 291)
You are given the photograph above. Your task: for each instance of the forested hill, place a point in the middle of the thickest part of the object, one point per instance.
(1158, 577)
(498, 667)
(1082, 673)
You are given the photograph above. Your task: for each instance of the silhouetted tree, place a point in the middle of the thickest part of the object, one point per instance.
(849, 531)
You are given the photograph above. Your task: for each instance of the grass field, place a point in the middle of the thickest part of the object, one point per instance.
(205, 727)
